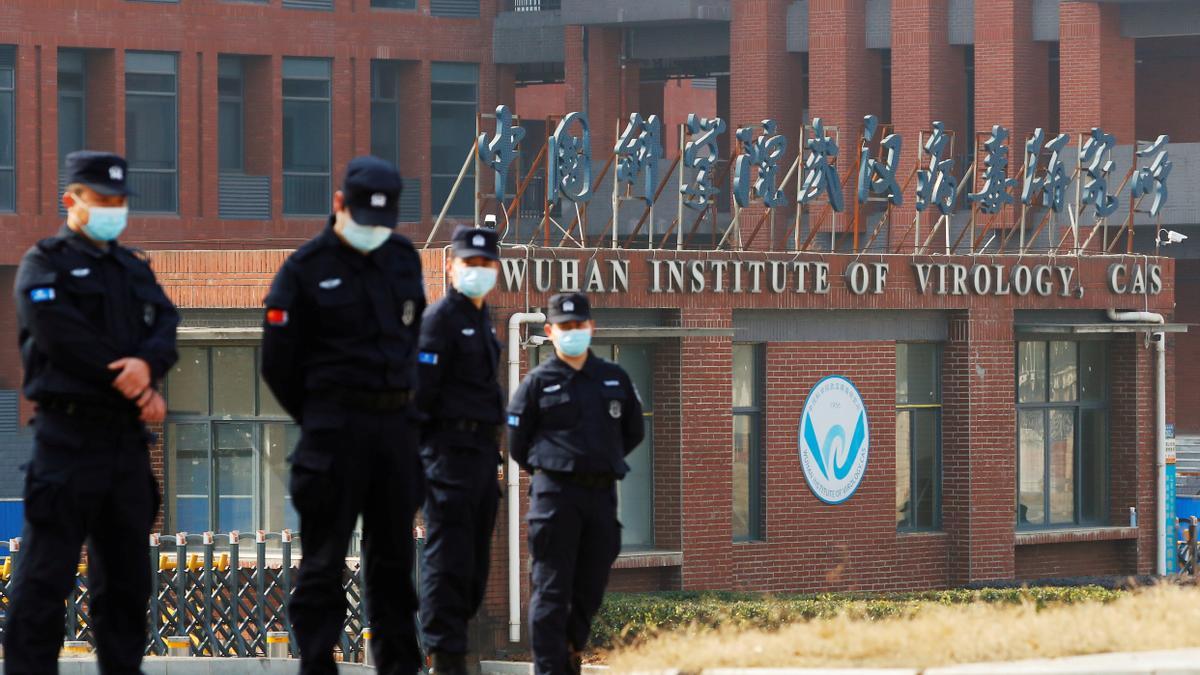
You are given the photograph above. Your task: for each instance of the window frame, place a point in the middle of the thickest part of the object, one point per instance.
(11, 90)
(173, 95)
(939, 471)
(211, 419)
(1076, 406)
(438, 201)
(756, 499)
(240, 102)
(328, 101)
(380, 69)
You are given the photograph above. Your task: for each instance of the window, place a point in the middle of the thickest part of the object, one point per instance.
(231, 110)
(918, 436)
(747, 442)
(1062, 427)
(226, 443)
(8, 130)
(635, 493)
(72, 103)
(385, 110)
(306, 136)
(455, 103)
(151, 130)
(394, 4)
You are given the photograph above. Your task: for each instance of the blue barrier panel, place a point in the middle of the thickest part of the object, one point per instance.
(12, 518)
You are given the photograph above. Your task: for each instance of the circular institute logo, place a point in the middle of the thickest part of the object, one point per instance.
(834, 439)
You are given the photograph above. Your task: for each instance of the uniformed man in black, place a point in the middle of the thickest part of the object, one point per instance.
(340, 352)
(464, 411)
(572, 423)
(97, 334)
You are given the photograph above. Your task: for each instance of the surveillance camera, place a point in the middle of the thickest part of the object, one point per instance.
(1171, 236)
(538, 340)
(489, 221)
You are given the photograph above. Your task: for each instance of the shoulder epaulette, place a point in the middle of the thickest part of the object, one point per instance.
(51, 244)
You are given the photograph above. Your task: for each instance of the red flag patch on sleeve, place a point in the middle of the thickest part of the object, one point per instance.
(277, 317)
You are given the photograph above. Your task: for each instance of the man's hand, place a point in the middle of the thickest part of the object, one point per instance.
(134, 377)
(154, 408)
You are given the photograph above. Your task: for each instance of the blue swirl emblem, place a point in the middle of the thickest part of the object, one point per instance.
(834, 465)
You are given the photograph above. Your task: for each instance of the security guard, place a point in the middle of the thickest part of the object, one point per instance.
(464, 408)
(340, 352)
(572, 423)
(97, 334)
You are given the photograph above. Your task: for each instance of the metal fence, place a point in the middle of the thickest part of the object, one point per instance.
(223, 594)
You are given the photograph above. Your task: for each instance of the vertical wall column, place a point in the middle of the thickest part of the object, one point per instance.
(844, 76)
(928, 78)
(208, 166)
(1011, 82)
(609, 80)
(706, 441)
(1096, 71)
(769, 79)
(979, 445)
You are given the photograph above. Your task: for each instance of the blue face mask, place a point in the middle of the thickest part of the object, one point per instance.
(474, 282)
(574, 342)
(365, 238)
(106, 223)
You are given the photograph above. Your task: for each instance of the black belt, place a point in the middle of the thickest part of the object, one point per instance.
(372, 401)
(588, 480)
(467, 426)
(90, 412)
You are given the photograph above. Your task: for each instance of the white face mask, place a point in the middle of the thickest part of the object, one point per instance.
(365, 238)
(474, 282)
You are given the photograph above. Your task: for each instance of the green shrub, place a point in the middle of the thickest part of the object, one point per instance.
(628, 617)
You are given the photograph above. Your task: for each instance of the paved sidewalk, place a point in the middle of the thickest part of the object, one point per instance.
(199, 665)
(1173, 662)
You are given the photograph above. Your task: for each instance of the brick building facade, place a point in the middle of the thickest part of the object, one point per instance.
(251, 88)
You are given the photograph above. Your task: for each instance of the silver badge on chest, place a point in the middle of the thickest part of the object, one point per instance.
(614, 409)
(149, 313)
(409, 313)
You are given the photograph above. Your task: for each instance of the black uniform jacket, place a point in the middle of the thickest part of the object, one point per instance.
(338, 320)
(583, 421)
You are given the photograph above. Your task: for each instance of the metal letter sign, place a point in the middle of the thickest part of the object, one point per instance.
(763, 152)
(1153, 178)
(819, 174)
(996, 182)
(874, 175)
(1095, 157)
(571, 160)
(700, 154)
(501, 150)
(1053, 183)
(937, 184)
(638, 151)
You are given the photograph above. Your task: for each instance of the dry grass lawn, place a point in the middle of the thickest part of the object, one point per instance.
(1161, 617)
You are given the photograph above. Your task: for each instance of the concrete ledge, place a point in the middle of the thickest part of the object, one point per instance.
(201, 665)
(1075, 535)
(648, 559)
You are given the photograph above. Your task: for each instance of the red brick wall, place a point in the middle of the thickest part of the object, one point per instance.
(852, 546)
(1097, 70)
(1094, 558)
(198, 31)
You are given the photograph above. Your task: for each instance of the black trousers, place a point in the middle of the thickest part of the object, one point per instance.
(367, 466)
(574, 537)
(89, 481)
(460, 512)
